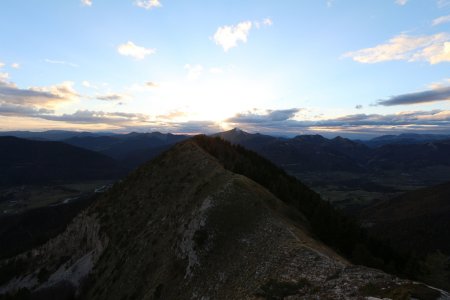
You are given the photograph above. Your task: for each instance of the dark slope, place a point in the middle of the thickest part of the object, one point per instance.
(130, 149)
(36, 162)
(185, 227)
(418, 220)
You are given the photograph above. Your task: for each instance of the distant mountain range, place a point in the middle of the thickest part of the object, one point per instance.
(411, 154)
(209, 220)
(25, 161)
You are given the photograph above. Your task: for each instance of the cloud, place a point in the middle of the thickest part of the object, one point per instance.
(2, 64)
(360, 124)
(194, 71)
(9, 109)
(330, 3)
(441, 20)
(443, 3)
(359, 106)
(267, 22)
(433, 95)
(229, 36)
(135, 51)
(148, 4)
(432, 48)
(151, 84)
(86, 2)
(39, 96)
(99, 117)
(15, 65)
(266, 116)
(110, 97)
(61, 62)
(401, 2)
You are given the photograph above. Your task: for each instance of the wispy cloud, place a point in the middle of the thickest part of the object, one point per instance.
(135, 51)
(15, 65)
(433, 95)
(401, 2)
(86, 2)
(443, 3)
(148, 4)
(2, 64)
(194, 71)
(432, 48)
(441, 20)
(61, 62)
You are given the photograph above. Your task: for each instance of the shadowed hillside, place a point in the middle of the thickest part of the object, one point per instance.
(203, 220)
(37, 162)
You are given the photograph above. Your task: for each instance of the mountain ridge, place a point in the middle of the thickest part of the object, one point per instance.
(184, 227)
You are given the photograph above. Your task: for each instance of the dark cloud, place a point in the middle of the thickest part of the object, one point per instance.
(439, 94)
(269, 116)
(110, 97)
(8, 109)
(363, 124)
(99, 117)
(359, 106)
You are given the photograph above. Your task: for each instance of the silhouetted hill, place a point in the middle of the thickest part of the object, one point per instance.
(405, 138)
(130, 149)
(52, 135)
(205, 220)
(411, 157)
(304, 153)
(31, 162)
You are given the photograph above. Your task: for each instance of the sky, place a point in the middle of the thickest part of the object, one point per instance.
(332, 67)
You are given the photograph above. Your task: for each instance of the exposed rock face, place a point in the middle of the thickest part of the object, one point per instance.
(183, 227)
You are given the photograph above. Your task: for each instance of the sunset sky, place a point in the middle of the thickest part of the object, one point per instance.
(348, 67)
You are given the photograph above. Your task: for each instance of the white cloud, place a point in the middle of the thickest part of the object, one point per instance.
(229, 36)
(330, 3)
(86, 2)
(441, 20)
(2, 64)
(3, 77)
(15, 65)
(401, 2)
(194, 72)
(432, 48)
(135, 51)
(148, 4)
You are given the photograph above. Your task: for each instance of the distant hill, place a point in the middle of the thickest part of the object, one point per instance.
(52, 135)
(206, 220)
(314, 153)
(405, 139)
(304, 153)
(36, 162)
(130, 149)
